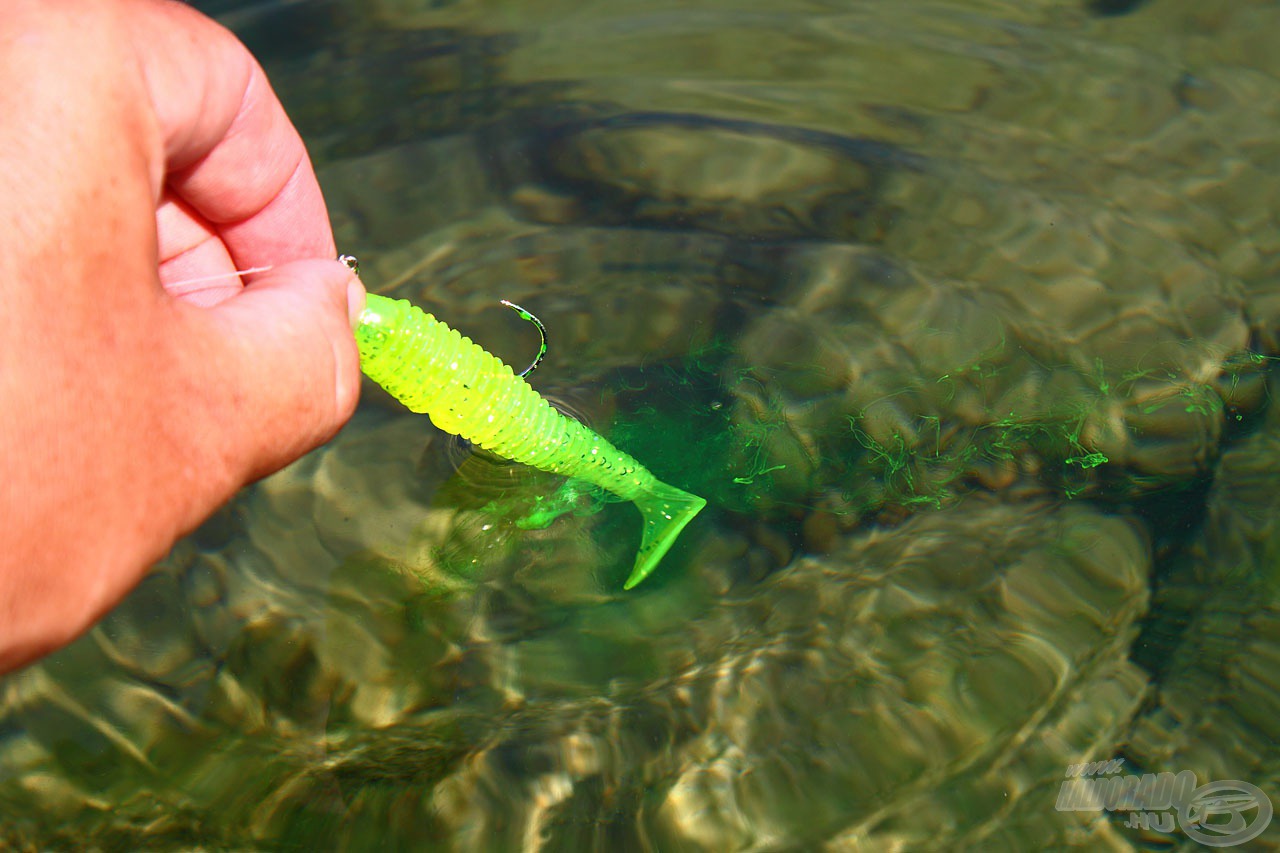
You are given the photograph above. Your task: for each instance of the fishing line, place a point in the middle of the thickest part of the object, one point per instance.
(180, 286)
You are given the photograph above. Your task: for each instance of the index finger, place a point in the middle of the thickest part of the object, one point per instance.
(232, 155)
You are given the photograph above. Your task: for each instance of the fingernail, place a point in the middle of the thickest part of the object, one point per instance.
(355, 300)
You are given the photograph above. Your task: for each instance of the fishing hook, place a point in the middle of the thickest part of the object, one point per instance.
(542, 333)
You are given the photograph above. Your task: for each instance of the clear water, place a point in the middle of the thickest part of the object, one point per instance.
(962, 315)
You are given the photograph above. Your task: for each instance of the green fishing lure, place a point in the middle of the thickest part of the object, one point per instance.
(433, 370)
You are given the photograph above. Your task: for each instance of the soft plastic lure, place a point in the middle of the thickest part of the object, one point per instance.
(433, 370)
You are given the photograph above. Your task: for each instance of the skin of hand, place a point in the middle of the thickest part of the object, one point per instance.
(140, 146)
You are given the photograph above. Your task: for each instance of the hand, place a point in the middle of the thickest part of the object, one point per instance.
(141, 146)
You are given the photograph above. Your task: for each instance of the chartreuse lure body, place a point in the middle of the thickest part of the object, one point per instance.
(433, 370)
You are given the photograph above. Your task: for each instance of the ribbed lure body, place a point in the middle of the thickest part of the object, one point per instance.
(434, 370)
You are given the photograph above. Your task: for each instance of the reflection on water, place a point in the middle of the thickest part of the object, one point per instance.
(961, 315)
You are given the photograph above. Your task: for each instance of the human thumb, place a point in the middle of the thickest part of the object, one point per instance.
(278, 362)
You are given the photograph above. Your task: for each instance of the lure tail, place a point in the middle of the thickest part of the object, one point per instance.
(666, 510)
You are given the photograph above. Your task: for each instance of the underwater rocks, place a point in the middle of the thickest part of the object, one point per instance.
(926, 683)
(1113, 8)
(659, 169)
(1216, 704)
(898, 389)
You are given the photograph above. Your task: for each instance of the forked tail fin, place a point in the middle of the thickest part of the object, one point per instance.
(666, 510)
